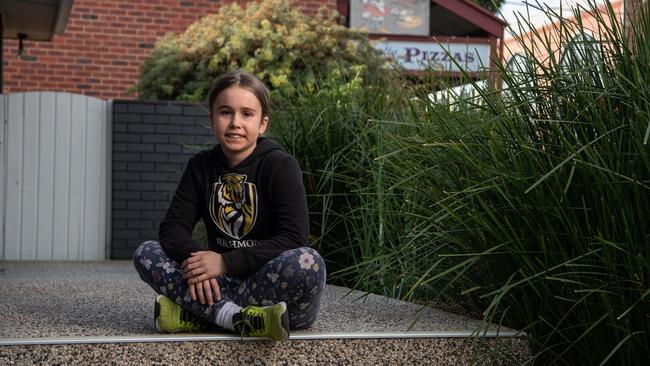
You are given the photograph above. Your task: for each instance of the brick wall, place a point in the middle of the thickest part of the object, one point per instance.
(104, 43)
(149, 154)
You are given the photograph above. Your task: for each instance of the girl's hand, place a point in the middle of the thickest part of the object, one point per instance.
(203, 265)
(201, 271)
(208, 289)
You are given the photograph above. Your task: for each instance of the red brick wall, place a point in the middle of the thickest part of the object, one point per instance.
(104, 43)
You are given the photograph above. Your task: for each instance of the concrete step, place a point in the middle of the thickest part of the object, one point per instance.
(101, 312)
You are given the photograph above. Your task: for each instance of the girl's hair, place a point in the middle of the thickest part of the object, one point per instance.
(244, 80)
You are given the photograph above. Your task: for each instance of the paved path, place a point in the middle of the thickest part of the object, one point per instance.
(91, 299)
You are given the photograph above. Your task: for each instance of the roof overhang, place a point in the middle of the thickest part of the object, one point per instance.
(464, 16)
(38, 20)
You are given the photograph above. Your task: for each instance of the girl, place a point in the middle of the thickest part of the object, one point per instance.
(259, 277)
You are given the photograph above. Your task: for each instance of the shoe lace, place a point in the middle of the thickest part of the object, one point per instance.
(256, 322)
(252, 320)
(191, 318)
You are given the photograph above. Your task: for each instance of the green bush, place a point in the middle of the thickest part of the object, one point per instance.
(271, 38)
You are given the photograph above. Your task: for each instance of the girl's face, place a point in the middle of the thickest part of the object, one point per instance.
(237, 122)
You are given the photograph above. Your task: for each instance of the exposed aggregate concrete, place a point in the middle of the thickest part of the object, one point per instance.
(63, 299)
(431, 351)
(42, 299)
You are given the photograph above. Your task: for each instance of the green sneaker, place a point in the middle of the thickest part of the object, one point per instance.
(169, 317)
(264, 321)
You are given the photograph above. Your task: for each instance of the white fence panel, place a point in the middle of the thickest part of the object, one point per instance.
(3, 169)
(12, 229)
(62, 176)
(53, 191)
(45, 172)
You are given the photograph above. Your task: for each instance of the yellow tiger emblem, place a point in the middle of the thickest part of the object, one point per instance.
(233, 205)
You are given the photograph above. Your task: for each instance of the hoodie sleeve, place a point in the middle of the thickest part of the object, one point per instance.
(291, 221)
(175, 232)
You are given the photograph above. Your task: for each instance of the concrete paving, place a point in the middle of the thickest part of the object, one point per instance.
(90, 299)
(433, 351)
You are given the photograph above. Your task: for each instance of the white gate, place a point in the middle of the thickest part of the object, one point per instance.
(54, 154)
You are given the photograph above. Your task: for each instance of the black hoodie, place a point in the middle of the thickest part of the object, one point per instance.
(252, 212)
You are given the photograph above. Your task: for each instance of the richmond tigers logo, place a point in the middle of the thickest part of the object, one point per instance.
(233, 205)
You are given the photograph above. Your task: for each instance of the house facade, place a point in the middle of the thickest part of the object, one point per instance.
(594, 23)
(105, 41)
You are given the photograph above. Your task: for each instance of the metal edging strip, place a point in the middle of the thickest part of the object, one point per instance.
(205, 338)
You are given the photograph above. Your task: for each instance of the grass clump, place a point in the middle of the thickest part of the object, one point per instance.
(529, 206)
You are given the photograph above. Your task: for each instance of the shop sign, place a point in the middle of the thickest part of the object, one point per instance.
(409, 17)
(437, 56)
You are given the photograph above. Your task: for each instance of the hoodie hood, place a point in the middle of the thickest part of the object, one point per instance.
(264, 146)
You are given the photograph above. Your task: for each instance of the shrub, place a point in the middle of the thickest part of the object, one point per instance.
(270, 38)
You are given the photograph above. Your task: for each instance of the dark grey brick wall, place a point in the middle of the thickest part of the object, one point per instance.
(152, 142)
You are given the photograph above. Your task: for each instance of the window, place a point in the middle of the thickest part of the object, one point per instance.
(519, 81)
(581, 60)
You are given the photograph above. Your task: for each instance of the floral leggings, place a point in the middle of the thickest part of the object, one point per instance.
(296, 277)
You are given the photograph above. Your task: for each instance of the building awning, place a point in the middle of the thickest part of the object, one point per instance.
(38, 20)
(464, 18)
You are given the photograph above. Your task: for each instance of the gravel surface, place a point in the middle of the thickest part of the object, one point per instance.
(65, 299)
(429, 351)
(48, 299)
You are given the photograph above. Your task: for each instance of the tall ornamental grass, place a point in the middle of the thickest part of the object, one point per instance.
(527, 205)
(335, 135)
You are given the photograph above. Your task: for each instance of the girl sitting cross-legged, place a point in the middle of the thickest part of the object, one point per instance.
(259, 276)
